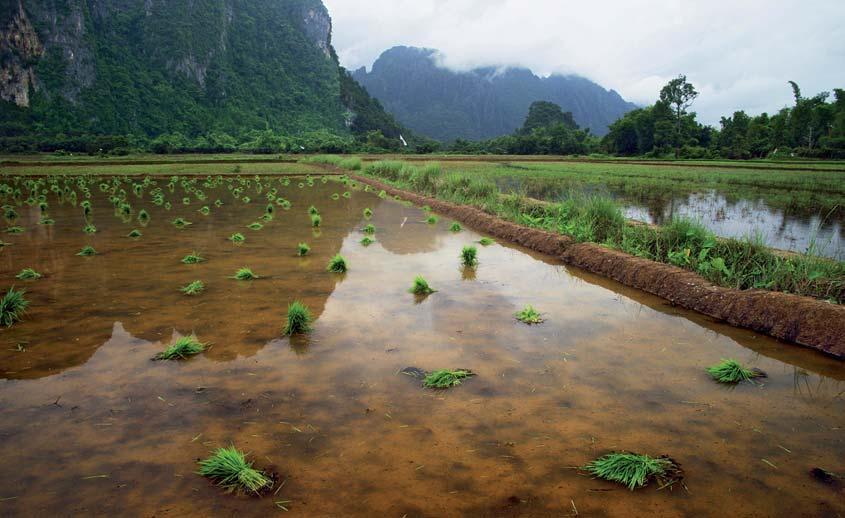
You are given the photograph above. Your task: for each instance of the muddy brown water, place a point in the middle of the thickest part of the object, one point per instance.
(91, 426)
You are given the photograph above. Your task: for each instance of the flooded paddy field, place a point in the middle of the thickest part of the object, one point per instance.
(92, 426)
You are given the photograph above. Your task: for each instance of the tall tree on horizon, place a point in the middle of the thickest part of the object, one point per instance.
(679, 95)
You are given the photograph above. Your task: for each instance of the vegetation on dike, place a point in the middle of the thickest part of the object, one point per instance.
(731, 371)
(446, 378)
(736, 263)
(181, 349)
(298, 319)
(228, 468)
(635, 470)
(12, 306)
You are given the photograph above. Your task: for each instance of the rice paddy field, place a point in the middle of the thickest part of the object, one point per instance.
(297, 344)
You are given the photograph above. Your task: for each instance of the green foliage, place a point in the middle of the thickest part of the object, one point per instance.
(545, 114)
(134, 234)
(181, 223)
(420, 286)
(337, 264)
(87, 251)
(89, 229)
(255, 226)
(431, 220)
(485, 241)
(634, 470)
(245, 274)
(312, 211)
(237, 237)
(455, 227)
(446, 378)
(529, 315)
(469, 256)
(193, 258)
(28, 274)
(316, 220)
(12, 306)
(193, 288)
(298, 319)
(181, 349)
(143, 217)
(228, 468)
(368, 213)
(369, 228)
(367, 241)
(730, 371)
(302, 249)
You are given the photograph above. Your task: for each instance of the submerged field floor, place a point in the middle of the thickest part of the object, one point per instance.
(91, 426)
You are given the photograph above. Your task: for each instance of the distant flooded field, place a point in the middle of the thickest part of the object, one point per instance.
(92, 426)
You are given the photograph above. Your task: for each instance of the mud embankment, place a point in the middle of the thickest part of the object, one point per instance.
(802, 320)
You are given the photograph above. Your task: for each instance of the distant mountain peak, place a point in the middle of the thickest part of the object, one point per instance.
(413, 85)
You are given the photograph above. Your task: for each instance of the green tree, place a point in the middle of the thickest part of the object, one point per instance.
(679, 95)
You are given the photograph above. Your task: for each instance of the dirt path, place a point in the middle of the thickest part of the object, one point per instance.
(801, 320)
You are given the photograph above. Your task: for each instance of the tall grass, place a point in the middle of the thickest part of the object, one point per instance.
(12, 306)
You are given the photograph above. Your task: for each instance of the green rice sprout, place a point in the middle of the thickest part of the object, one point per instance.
(204, 210)
(312, 210)
(181, 349)
(368, 213)
(193, 288)
(420, 286)
(316, 220)
(347, 194)
(485, 241)
(12, 306)
(186, 201)
(367, 241)
(134, 234)
(335, 196)
(455, 227)
(431, 220)
(634, 470)
(237, 237)
(14, 229)
(731, 371)
(245, 274)
(193, 258)
(529, 315)
(228, 468)
(302, 249)
(298, 320)
(28, 274)
(469, 256)
(337, 264)
(143, 217)
(255, 226)
(446, 378)
(369, 229)
(46, 220)
(87, 251)
(218, 203)
(89, 229)
(181, 222)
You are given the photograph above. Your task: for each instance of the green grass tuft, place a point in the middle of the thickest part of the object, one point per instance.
(255, 226)
(143, 217)
(228, 468)
(316, 220)
(337, 264)
(485, 241)
(469, 256)
(299, 319)
(529, 315)
(455, 227)
(181, 349)
(193, 288)
(204, 210)
(420, 286)
(335, 196)
(89, 229)
(431, 220)
(135, 233)
(312, 210)
(369, 229)
(368, 213)
(446, 378)
(12, 306)
(730, 371)
(245, 274)
(302, 249)
(28, 274)
(87, 251)
(634, 470)
(193, 258)
(237, 237)
(181, 222)
(367, 241)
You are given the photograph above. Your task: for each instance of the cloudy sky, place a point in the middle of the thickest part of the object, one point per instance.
(738, 53)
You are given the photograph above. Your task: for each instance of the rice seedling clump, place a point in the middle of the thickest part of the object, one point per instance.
(87, 251)
(634, 470)
(228, 468)
(302, 249)
(312, 210)
(337, 264)
(529, 315)
(12, 306)
(367, 241)
(731, 371)
(298, 320)
(193, 258)
(431, 220)
(446, 378)
(89, 229)
(245, 274)
(255, 226)
(368, 213)
(193, 288)
(485, 241)
(369, 229)
(181, 223)
(420, 286)
(316, 220)
(28, 274)
(455, 227)
(134, 234)
(237, 237)
(181, 349)
(469, 256)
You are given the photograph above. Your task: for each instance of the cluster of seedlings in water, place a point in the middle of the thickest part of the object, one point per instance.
(193, 258)
(302, 249)
(469, 256)
(529, 315)
(193, 288)
(87, 251)
(635, 470)
(12, 306)
(446, 378)
(431, 220)
(228, 468)
(298, 319)
(732, 372)
(367, 241)
(255, 226)
(420, 286)
(237, 237)
(28, 274)
(485, 241)
(181, 222)
(368, 213)
(135, 233)
(455, 227)
(369, 228)
(316, 220)
(182, 348)
(245, 274)
(337, 264)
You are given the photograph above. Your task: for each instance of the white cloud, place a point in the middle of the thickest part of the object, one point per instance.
(738, 53)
